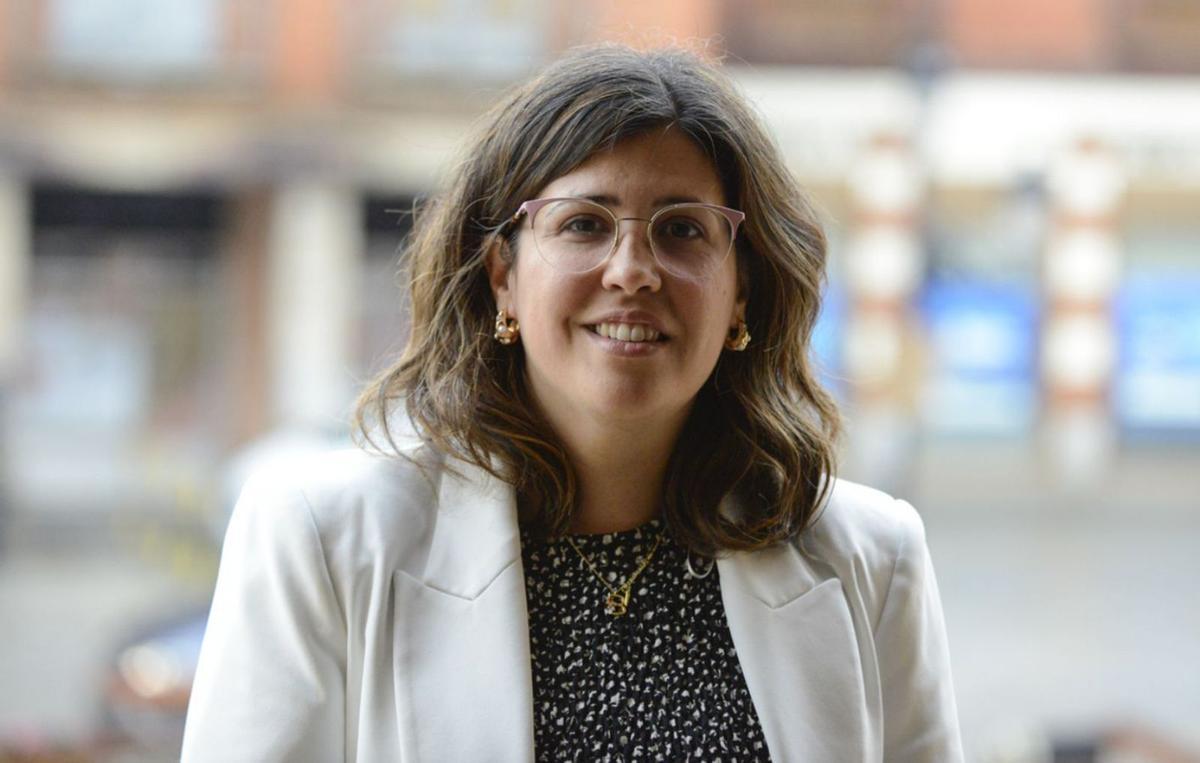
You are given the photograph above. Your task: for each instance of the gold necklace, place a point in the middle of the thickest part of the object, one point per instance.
(617, 601)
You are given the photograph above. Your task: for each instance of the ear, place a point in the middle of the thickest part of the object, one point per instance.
(500, 274)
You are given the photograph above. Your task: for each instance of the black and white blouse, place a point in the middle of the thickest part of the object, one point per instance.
(662, 682)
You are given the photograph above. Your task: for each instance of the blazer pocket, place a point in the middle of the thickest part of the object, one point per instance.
(817, 596)
(455, 589)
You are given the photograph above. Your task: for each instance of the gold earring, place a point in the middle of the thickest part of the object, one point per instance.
(738, 341)
(507, 329)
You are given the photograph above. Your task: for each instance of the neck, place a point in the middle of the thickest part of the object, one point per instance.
(621, 469)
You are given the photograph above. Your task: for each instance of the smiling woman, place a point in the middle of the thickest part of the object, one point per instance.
(595, 516)
(632, 134)
(589, 303)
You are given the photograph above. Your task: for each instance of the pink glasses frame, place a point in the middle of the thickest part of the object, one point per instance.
(734, 216)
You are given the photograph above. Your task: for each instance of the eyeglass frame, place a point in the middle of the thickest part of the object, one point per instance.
(531, 207)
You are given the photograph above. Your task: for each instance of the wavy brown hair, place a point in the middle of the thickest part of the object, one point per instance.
(762, 430)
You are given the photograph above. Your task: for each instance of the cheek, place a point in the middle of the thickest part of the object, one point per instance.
(546, 300)
(716, 303)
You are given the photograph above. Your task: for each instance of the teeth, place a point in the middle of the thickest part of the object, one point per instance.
(626, 332)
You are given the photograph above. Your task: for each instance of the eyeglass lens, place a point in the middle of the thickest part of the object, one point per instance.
(574, 235)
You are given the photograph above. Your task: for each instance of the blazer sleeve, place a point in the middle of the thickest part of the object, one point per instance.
(270, 683)
(920, 720)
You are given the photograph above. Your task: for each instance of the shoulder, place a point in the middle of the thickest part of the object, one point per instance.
(339, 479)
(866, 522)
(358, 503)
(351, 479)
(865, 536)
(876, 545)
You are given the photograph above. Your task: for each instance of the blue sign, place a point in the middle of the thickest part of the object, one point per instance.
(983, 340)
(1157, 389)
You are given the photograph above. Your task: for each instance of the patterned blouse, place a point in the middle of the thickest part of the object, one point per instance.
(660, 683)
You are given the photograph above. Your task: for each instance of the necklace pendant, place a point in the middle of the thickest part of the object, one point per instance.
(617, 603)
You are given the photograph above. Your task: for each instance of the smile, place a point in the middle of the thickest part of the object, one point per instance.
(627, 332)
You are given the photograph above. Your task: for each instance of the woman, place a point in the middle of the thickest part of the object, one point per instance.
(603, 524)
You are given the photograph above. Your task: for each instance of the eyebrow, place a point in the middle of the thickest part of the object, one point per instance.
(662, 201)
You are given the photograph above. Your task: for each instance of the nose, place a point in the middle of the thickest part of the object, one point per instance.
(631, 267)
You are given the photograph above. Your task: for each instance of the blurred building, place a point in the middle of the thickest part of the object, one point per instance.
(201, 204)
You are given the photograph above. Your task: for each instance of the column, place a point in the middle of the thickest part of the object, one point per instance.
(884, 267)
(315, 246)
(1080, 274)
(16, 250)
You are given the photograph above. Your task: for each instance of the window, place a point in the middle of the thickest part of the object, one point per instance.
(132, 39)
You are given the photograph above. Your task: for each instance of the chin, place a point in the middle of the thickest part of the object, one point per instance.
(637, 402)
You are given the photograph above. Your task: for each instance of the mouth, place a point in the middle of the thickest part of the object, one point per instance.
(633, 333)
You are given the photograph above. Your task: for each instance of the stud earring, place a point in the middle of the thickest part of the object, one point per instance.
(507, 329)
(738, 338)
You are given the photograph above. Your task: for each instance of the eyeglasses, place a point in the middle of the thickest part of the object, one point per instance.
(575, 235)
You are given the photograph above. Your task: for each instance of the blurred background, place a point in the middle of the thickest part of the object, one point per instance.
(201, 209)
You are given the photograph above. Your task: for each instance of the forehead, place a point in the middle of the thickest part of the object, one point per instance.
(656, 164)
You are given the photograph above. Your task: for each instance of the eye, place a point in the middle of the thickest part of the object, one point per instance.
(682, 228)
(585, 225)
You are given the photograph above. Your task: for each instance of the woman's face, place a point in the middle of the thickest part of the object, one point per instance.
(573, 370)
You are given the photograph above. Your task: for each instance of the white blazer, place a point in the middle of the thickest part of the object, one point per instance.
(367, 611)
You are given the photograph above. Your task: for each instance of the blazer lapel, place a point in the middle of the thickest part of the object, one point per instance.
(461, 661)
(795, 639)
